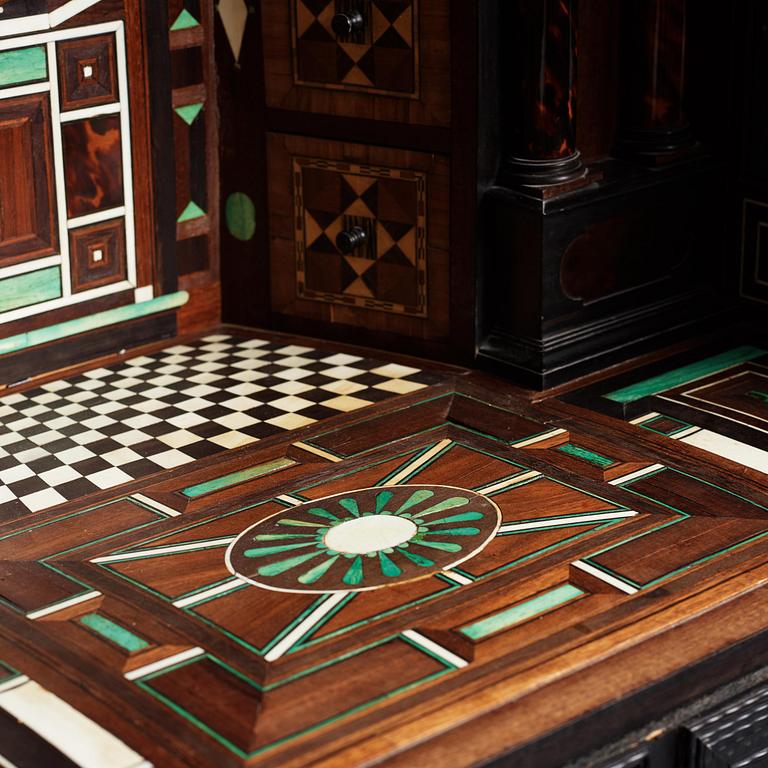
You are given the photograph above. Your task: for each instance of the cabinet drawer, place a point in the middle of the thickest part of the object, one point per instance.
(359, 235)
(392, 65)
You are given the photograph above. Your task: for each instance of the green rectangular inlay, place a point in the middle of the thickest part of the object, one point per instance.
(679, 376)
(23, 65)
(30, 288)
(522, 611)
(586, 455)
(114, 632)
(649, 425)
(92, 322)
(235, 478)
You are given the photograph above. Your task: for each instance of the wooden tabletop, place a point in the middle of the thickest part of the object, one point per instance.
(447, 578)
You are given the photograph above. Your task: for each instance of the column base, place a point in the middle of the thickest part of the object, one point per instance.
(656, 147)
(517, 171)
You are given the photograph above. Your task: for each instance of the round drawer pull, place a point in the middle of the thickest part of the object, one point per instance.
(351, 239)
(346, 24)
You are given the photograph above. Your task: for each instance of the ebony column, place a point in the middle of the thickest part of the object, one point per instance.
(538, 92)
(652, 120)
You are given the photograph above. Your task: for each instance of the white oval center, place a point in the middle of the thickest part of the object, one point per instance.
(369, 534)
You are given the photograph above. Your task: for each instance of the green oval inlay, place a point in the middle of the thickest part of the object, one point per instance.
(240, 214)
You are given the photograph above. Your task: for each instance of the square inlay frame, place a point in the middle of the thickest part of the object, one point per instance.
(357, 48)
(354, 210)
(47, 85)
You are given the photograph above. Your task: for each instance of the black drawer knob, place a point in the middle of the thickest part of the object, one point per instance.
(346, 24)
(350, 239)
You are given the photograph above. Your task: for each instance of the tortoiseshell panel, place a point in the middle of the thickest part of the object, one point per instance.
(93, 165)
(389, 271)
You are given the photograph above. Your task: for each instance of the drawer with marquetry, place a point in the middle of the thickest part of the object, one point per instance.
(376, 59)
(359, 235)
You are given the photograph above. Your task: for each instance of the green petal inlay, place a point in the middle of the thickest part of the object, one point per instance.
(240, 214)
(264, 551)
(114, 632)
(354, 575)
(283, 536)
(382, 499)
(388, 567)
(300, 523)
(185, 20)
(189, 112)
(275, 569)
(454, 532)
(313, 574)
(192, 211)
(463, 518)
(442, 545)
(23, 65)
(351, 506)
(416, 498)
(456, 501)
(424, 562)
(320, 512)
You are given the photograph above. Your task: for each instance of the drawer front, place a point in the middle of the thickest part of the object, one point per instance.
(359, 235)
(390, 62)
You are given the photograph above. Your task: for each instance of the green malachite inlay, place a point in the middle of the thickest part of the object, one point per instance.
(192, 211)
(91, 322)
(546, 601)
(23, 65)
(586, 455)
(30, 287)
(682, 515)
(240, 215)
(684, 375)
(757, 395)
(114, 632)
(7, 672)
(235, 478)
(145, 684)
(649, 425)
(359, 533)
(189, 112)
(185, 20)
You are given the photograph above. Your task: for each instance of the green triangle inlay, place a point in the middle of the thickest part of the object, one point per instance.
(189, 112)
(185, 20)
(192, 211)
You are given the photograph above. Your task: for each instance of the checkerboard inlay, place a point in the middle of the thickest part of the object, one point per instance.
(108, 426)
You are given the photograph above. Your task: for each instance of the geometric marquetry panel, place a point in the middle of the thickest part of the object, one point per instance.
(380, 55)
(388, 271)
(87, 72)
(393, 573)
(98, 254)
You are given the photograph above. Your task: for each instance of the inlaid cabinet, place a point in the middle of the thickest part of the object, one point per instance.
(67, 223)
(369, 159)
